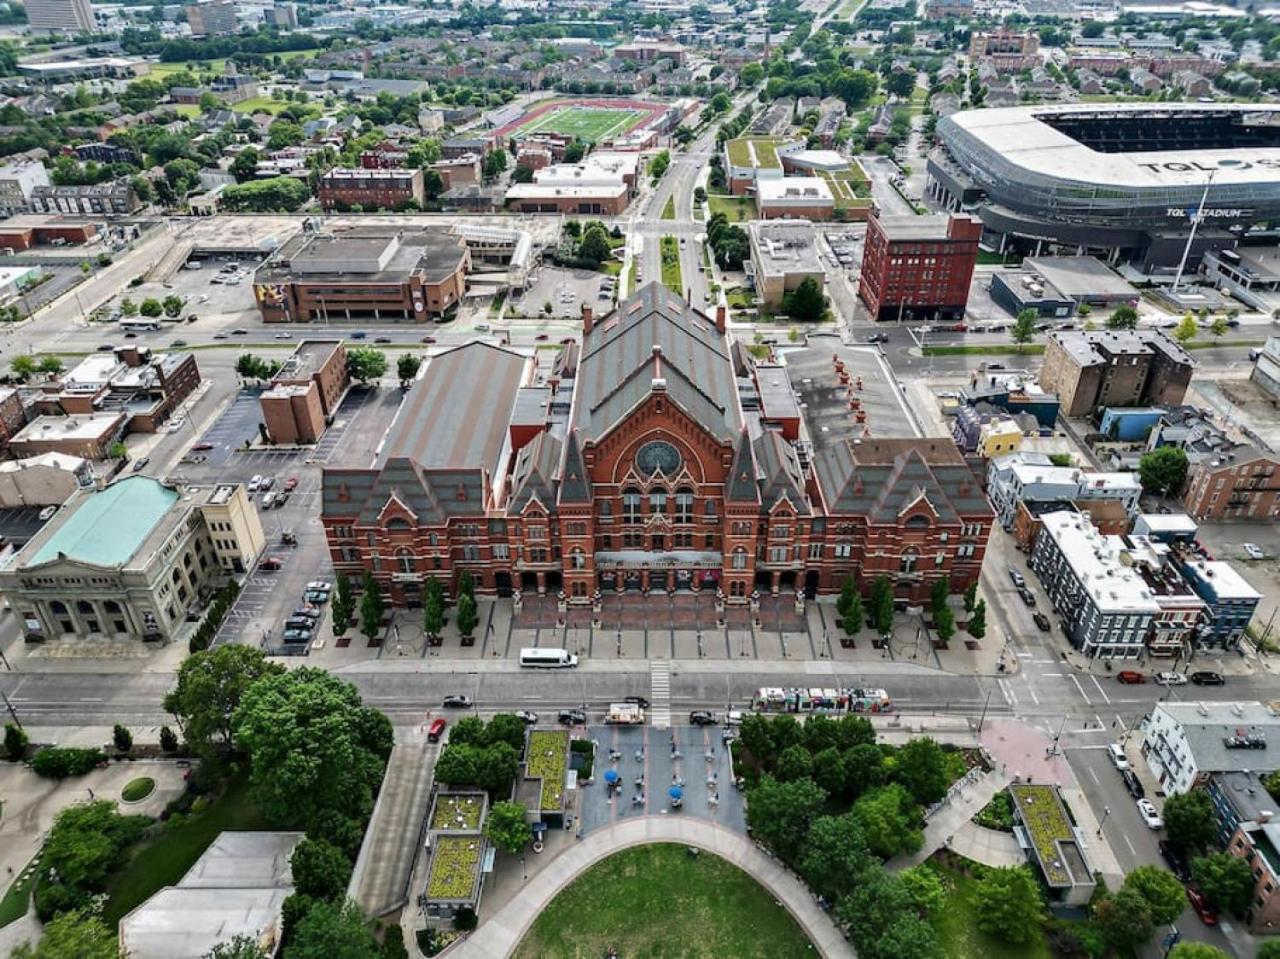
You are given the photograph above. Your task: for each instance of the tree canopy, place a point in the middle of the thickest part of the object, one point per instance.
(1010, 906)
(1189, 821)
(209, 688)
(1163, 470)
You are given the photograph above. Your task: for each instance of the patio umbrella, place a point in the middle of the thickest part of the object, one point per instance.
(676, 793)
(611, 776)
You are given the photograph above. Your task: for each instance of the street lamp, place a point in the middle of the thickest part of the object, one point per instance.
(1106, 811)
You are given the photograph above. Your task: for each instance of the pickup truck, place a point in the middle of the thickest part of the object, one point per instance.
(625, 714)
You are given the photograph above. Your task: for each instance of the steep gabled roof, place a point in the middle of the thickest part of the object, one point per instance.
(535, 473)
(655, 338)
(574, 485)
(740, 485)
(779, 473)
(882, 479)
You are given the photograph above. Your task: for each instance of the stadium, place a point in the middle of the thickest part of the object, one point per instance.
(1122, 181)
(595, 121)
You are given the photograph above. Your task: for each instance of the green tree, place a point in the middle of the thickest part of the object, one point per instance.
(50, 365)
(1269, 949)
(1123, 318)
(806, 302)
(508, 828)
(659, 164)
(1163, 470)
(1162, 891)
(118, 451)
(240, 947)
(1202, 950)
(329, 930)
(371, 607)
(122, 739)
(16, 741)
(315, 749)
(922, 768)
(433, 608)
(320, 869)
(366, 363)
(467, 618)
(1219, 327)
(834, 853)
(977, 624)
(882, 605)
(172, 305)
(168, 740)
(407, 367)
(852, 620)
(79, 934)
(882, 919)
(939, 593)
(794, 763)
(925, 888)
(779, 813)
(971, 597)
(281, 194)
(1189, 821)
(342, 605)
(209, 689)
(151, 307)
(1009, 905)
(85, 846)
(889, 819)
(945, 625)
(1225, 880)
(1186, 329)
(495, 162)
(245, 166)
(393, 946)
(128, 307)
(848, 590)
(23, 366)
(1124, 919)
(1024, 327)
(594, 245)
(59, 762)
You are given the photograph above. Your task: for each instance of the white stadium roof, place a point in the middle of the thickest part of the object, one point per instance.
(1021, 137)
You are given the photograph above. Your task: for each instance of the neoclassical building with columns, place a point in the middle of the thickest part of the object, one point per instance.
(654, 454)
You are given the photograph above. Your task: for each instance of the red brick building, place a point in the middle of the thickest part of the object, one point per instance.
(918, 267)
(305, 394)
(1241, 484)
(645, 461)
(370, 189)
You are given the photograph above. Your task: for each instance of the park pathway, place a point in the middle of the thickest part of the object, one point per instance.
(500, 934)
(951, 825)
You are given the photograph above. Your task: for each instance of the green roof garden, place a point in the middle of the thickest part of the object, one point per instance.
(109, 526)
(759, 152)
(1047, 826)
(547, 759)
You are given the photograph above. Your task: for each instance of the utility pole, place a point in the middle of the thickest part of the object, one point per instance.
(1195, 222)
(983, 718)
(9, 706)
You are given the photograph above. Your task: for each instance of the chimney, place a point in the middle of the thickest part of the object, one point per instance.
(587, 321)
(722, 318)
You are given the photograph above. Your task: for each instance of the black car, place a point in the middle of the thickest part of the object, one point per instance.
(457, 702)
(638, 701)
(1133, 783)
(700, 717)
(1042, 621)
(572, 717)
(1028, 597)
(1176, 861)
(1207, 678)
(878, 338)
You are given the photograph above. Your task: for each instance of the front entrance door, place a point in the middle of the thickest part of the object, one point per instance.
(502, 583)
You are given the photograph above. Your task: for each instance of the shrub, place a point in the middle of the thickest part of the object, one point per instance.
(121, 738)
(168, 740)
(59, 763)
(15, 742)
(465, 920)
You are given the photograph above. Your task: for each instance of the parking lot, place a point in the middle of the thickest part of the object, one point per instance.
(362, 420)
(565, 290)
(649, 762)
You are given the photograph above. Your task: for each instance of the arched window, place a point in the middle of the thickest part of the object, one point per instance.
(918, 522)
(405, 560)
(397, 523)
(59, 607)
(631, 505)
(578, 558)
(684, 505)
(84, 608)
(908, 560)
(113, 607)
(710, 509)
(658, 501)
(739, 558)
(176, 576)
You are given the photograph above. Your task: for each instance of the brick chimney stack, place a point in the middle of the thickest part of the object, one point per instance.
(722, 318)
(587, 319)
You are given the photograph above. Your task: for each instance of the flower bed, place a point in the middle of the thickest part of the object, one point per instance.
(1046, 824)
(547, 761)
(455, 864)
(457, 812)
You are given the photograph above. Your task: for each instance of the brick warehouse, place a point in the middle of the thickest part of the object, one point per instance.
(653, 456)
(918, 267)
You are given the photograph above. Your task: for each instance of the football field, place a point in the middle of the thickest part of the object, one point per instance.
(591, 124)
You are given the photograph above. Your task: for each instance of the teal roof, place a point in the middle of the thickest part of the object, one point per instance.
(108, 527)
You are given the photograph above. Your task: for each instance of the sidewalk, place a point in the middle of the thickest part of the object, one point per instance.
(952, 826)
(499, 935)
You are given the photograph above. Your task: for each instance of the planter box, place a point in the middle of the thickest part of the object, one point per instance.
(846, 642)
(468, 640)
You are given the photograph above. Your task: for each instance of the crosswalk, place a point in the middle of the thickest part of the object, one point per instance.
(660, 693)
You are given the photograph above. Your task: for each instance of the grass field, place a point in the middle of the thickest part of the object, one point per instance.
(591, 124)
(957, 930)
(669, 210)
(657, 902)
(671, 275)
(18, 896)
(164, 861)
(260, 105)
(735, 208)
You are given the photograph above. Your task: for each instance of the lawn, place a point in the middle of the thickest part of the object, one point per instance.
(138, 789)
(669, 209)
(164, 860)
(591, 124)
(671, 275)
(957, 929)
(17, 897)
(187, 110)
(158, 71)
(735, 208)
(659, 901)
(260, 105)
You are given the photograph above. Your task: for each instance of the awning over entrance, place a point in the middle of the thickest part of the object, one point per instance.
(641, 559)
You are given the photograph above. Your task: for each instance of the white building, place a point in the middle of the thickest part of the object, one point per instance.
(1184, 743)
(17, 181)
(795, 196)
(1027, 477)
(45, 480)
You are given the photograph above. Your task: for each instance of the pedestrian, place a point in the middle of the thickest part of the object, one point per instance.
(90, 793)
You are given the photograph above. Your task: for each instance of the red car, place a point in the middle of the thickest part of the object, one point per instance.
(291, 484)
(428, 339)
(540, 337)
(1131, 677)
(271, 564)
(201, 447)
(1201, 906)
(435, 730)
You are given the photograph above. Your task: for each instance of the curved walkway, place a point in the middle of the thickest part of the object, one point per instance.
(501, 933)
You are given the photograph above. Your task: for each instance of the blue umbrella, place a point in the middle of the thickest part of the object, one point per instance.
(611, 776)
(675, 792)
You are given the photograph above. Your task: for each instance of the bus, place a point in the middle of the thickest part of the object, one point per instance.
(546, 657)
(773, 699)
(139, 325)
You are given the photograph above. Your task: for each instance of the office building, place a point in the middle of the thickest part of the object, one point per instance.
(212, 18)
(68, 17)
(918, 267)
(282, 16)
(783, 255)
(304, 396)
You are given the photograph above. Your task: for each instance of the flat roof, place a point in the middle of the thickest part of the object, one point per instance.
(1077, 276)
(1020, 136)
(785, 246)
(108, 526)
(799, 189)
(905, 226)
(541, 191)
(1227, 582)
(825, 401)
(1095, 558)
(386, 254)
(309, 357)
(80, 426)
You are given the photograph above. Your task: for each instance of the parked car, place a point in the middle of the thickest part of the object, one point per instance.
(268, 500)
(316, 597)
(1207, 677)
(270, 564)
(1028, 597)
(1018, 579)
(255, 483)
(291, 484)
(572, 717)
(1175, 860)
(640, 701)
(1116, 753)
(435, 730)
(457, 701)
(1201, 905)
(267, 482)
(527, 716)
(1133, 783)
(295, 635)
(1131, 677)
(306, 612)
(140, 465)
(1253, 551)
(299, 622)
(1170, 679)
(320, 585)
(1042, 621)
(1147, 810)
(201, 447)
(46, 514)
(700, 717)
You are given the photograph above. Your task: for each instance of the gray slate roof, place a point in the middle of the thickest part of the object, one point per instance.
(654, 335)
(535, 471)
(881, 478)
(1206, 733)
